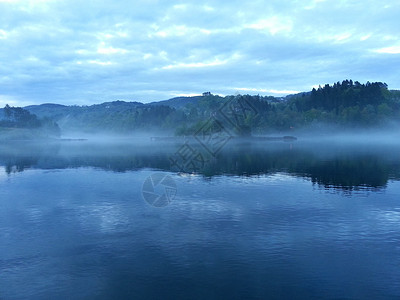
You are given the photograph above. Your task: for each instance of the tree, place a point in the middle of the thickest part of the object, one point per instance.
(7, 111)
(19, 117)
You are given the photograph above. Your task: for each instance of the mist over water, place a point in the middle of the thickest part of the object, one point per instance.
(312, 218)
(239, 156)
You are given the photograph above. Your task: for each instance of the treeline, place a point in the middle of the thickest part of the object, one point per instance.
(345, 104)
(15, 118)
(349, 104)
(125, 120)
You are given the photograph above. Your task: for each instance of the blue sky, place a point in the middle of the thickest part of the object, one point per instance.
(84, 52)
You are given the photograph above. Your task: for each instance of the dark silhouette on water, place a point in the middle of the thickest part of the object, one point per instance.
(329, 165)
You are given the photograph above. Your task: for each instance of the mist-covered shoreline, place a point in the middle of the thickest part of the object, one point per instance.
(333, 109)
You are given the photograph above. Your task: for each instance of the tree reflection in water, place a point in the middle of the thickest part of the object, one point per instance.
(345, 167)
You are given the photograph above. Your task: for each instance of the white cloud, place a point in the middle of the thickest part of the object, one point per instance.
(267, 91)
(208, 8)
(179, 6)
(147, 56)
(110, 50)
(179, 31)
(365, 37)
(213, 63)
(202, 64)
(101, 63)
(179, 94)
(272, 25)
(342, 37)
(3, 34)
(113, 34)
(83, 52)
(98, 62)
(388, 50)
(333, 37)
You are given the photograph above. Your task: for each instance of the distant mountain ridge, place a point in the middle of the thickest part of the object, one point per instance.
(342, 104)
(178, 102)
(48, 109)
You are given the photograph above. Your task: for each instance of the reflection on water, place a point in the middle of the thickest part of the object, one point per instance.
(345, 167)
(263, 221)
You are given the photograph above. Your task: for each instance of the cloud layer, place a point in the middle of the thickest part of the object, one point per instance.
(76, 52)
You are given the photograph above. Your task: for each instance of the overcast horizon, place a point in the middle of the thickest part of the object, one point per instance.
(69, 52)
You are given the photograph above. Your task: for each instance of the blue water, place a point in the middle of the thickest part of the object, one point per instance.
(86, 232)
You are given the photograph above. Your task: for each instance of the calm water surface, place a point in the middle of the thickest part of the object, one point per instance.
(264, 221)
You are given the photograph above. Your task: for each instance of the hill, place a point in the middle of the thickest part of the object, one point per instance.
(17, 123)
(345, 104)
(179, 102)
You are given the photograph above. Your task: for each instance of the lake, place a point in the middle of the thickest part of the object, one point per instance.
(271, 220)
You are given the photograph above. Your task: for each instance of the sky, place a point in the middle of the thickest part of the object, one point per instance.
(86, 52)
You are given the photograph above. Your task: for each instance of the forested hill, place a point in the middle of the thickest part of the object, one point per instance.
(18, 123)
(345, 104)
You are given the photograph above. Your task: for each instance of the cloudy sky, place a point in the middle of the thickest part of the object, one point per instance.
(84, 52)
